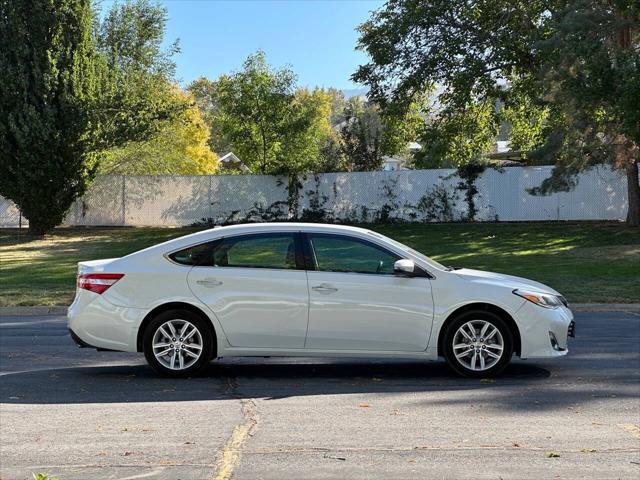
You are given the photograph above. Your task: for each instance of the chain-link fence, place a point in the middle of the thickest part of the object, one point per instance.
(411, 195)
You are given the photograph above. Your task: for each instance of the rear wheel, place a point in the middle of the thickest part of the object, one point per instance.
(177, 343)
(478, 344)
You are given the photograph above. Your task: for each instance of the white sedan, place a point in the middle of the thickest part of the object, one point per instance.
(295, 289)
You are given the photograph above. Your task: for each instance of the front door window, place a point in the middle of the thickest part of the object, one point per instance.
(335, 253)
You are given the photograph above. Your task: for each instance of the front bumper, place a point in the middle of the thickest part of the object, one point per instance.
(544, 332)
(572, 329)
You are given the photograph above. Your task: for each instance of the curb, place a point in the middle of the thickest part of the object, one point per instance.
(35, 311)
(605, 307)
(59, 310)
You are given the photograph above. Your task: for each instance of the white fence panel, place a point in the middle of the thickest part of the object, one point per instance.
(237, 196)
(601, 194)
(363, 195)
(9, 214)
(506, 193)
(176, 200)
(356, 197)
(103, 204)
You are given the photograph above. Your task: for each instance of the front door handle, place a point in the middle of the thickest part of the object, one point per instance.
(324, 289)
(209, 282)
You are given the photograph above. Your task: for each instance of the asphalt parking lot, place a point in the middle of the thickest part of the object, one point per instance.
(82, 414)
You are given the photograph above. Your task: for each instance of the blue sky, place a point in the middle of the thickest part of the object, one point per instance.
(316, 37)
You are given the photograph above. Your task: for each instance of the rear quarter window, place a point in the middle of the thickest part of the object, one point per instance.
(195, 255)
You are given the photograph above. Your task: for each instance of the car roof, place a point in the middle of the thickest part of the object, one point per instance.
(287, 226)
(217, 232)
(278, 227)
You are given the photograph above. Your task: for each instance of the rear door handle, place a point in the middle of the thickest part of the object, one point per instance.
(324, 289)
(209, 282)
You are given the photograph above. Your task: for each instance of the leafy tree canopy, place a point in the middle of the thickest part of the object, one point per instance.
(179, 148)
(70, 90)
(205, 93)
(368, 135)
(258, 112)
(566, 71)
(48, 74)
(138, 91)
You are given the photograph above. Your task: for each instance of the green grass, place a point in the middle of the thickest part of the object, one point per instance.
(587, 262)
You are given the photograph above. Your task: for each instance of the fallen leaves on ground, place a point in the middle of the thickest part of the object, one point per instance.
(399, 413)
(632, 429)
(334, 457)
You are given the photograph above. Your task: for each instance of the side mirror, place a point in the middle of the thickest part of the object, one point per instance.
(404, 266)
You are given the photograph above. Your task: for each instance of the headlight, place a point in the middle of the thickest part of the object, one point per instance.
(543, 299)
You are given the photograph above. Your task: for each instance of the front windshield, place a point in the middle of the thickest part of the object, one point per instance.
(411, 251)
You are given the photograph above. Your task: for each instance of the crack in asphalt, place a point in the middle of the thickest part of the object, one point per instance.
(232, 450)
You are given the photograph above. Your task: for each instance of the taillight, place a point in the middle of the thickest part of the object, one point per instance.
(98, 282)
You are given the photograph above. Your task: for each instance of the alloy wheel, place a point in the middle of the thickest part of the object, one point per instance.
(478, 345)
(177, 344)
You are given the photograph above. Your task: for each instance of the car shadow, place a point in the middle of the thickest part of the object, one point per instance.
(523, 386)
(247, 378)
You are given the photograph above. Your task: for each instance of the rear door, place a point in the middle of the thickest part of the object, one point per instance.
(257, 287)
(358, 303)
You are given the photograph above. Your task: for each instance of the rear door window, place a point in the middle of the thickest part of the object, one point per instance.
(276, 251)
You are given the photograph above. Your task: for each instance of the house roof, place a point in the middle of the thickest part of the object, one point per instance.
(231, 159)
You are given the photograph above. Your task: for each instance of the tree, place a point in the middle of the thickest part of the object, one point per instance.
(179, 148)
(452, 139)
(312, 110)
(205, 93)
(368, 135)
(338, 105)
(48, 73)
(321, 147)
(361, 134)
(271, 126)
(575, 62)
(66, 95)
(138, 92)
(332, 155)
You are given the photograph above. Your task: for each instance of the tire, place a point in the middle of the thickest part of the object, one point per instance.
(198, 340)
(485, 364)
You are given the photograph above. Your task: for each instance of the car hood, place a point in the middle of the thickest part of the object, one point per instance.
(502, 280)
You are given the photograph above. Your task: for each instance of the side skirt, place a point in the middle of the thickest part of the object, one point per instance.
(428, 354)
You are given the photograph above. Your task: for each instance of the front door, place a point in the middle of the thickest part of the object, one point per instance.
(257, 287)
(357, 302)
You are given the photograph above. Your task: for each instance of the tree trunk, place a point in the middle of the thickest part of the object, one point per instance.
(39, 223)
(36, 230)
(293, 195)
(633, 194)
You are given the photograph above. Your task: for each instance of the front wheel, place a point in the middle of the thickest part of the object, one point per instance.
(177, 343)
(478, 344)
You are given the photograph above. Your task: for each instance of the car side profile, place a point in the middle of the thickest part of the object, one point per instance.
(295, 289)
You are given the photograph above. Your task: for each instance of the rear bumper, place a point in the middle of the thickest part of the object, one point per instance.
(96, 323)
(544, 331)
(82, 344)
